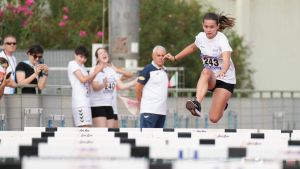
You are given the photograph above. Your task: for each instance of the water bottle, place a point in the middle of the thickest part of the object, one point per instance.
(50, 121)
(206, 120)
(195, 156)
(180, 155)
(62, 122)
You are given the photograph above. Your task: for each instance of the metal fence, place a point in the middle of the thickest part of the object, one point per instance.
(247, 109)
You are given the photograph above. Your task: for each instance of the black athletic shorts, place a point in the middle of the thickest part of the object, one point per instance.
(115, 117)
(103, 111)
(224, 85)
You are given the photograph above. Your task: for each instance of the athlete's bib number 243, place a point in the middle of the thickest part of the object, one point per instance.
(210, 61)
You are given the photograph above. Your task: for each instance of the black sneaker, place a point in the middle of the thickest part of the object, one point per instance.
(226, 106)
(194, 107)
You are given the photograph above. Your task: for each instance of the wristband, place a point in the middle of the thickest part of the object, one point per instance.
(175, 59)
(45, 74)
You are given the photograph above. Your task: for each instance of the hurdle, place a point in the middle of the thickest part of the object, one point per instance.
(170, 148)
(33, 162)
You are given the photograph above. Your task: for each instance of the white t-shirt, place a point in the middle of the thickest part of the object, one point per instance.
(12, 63)
(104, 96)
(211, 55)
(80, 91)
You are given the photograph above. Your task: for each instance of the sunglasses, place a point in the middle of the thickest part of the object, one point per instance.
(35, 56)
(11, 43)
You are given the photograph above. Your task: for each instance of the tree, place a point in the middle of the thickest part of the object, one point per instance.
(65, 24)
(172, 24)
(239, 56)
(55, 24)
(58, 24)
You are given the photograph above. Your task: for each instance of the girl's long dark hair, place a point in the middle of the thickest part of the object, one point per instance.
(223, 21)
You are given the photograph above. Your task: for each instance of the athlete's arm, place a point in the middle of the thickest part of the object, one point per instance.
(226, 61)
(186, 51)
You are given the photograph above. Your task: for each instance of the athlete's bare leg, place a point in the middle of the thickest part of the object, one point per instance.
(219, 100)
(206, 81)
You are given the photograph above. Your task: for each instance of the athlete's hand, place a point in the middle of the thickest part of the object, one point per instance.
(221, 74)
(170, 57)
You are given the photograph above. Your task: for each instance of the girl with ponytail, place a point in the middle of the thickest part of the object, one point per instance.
(218, 74)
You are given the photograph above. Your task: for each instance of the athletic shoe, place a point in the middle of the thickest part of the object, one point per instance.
(194, 107)
(226, 106)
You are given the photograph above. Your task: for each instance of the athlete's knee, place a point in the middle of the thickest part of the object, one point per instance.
(206, 73)
(215, 118)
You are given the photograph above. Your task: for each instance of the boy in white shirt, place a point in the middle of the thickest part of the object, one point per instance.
(80, 82)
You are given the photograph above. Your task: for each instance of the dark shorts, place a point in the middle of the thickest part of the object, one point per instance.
(115, 117)
(149, 120)
(103, 111)
(224, 85)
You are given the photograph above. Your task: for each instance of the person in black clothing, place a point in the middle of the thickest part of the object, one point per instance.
(32, 71)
